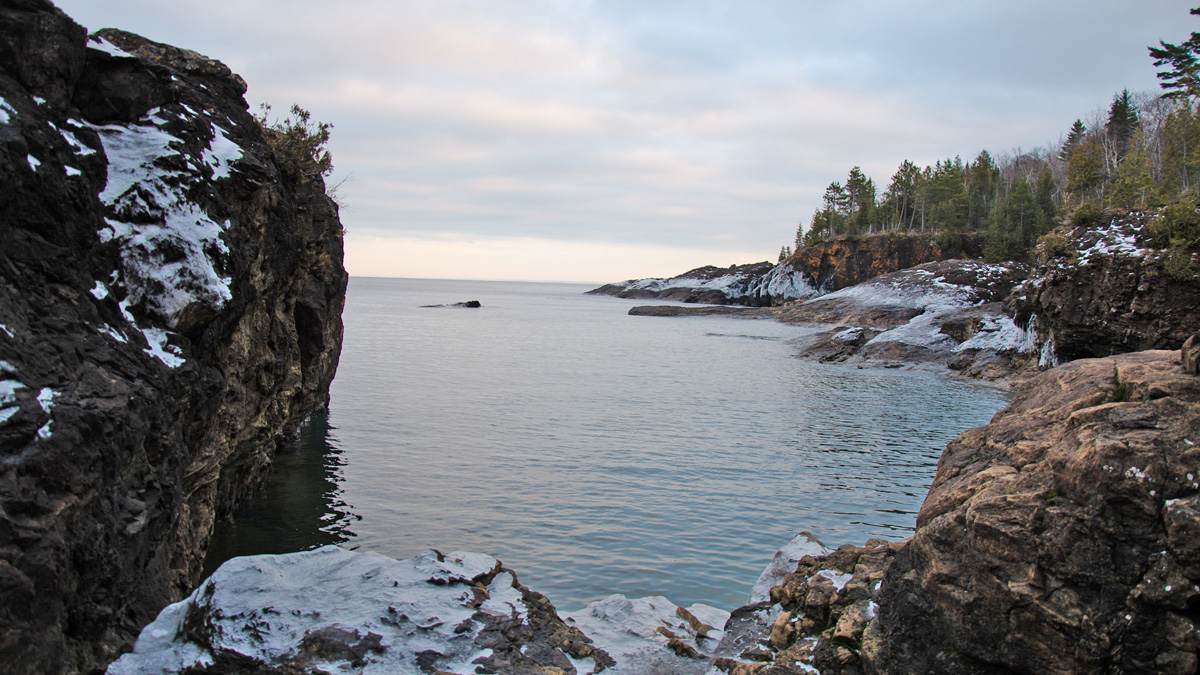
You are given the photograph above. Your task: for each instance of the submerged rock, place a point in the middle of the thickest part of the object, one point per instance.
(471, 304)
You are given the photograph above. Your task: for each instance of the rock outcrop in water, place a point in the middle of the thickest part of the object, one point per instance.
(947, 313)
(1060, 538)
(813, 270)
(169, 309)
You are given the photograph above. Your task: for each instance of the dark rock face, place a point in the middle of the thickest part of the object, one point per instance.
(839, 263)
(169, 309)
(1105, 292)
(1062, 537)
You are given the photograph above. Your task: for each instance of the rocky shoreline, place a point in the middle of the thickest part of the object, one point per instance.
(170, 312)
(1102, 289)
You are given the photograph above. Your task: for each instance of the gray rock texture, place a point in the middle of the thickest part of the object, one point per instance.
(169, 311)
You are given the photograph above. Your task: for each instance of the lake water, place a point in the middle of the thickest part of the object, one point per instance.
(594, 452)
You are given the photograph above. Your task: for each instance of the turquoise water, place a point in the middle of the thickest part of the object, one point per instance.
(598, 453)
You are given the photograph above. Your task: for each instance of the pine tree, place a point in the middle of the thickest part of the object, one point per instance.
(1074, 138)
(901, 193)
(1122, 122)
(1182, 78)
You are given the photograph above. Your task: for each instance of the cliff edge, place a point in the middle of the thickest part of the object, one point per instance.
(170, 306)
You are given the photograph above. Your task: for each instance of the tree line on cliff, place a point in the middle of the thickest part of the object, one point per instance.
(1143, 152)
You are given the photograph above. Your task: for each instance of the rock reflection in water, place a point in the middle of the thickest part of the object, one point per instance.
(300, 506)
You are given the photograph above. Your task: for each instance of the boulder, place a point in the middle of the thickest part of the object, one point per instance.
(332, 610)
(1060, 538)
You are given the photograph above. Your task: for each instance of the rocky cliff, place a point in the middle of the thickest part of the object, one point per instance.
(1101, 288)
(812, 271)
(1060, 538)
(169, 310)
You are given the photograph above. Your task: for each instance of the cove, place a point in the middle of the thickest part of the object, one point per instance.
(595, 452)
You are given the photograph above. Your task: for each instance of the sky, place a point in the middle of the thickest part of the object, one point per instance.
(603, 140)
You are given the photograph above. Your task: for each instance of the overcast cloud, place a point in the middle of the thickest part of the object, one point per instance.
(603, 140)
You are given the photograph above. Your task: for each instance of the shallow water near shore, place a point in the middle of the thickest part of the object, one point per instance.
(595, 452)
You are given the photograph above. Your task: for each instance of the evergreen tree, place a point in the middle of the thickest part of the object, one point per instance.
(1182, 77)
(784, 253)
(860, 201)
(1122, 122)
(1180, 141)
(1134, 187)
(1074, 138)
(901, 193)
(1085, 172)
(982, 180)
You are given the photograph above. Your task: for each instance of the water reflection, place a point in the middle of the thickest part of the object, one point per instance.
(300, 507)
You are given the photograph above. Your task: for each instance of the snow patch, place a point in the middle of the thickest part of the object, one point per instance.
(170, 247)
(7, 413)
(999, 334)
(46, 398)
(34, 162)
(80, 149)
(8, 390)
(72, 171)
(113, 333)
(838, 578)
(39, 100)
(100, 291)
(160, 349)
(221, 153)
(6, 112)
(7, 332)
(635, 632)
(1114, 240)
(100, 44)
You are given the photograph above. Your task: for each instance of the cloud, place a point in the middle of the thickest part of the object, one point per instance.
(665, 126)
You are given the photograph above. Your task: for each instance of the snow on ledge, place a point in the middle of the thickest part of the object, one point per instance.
(101, 45)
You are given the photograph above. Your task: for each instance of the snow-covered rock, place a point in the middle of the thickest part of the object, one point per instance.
(946, 312)
(652, 634)
(338, 611)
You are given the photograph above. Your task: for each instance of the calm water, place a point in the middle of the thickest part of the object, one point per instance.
(594, 452)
